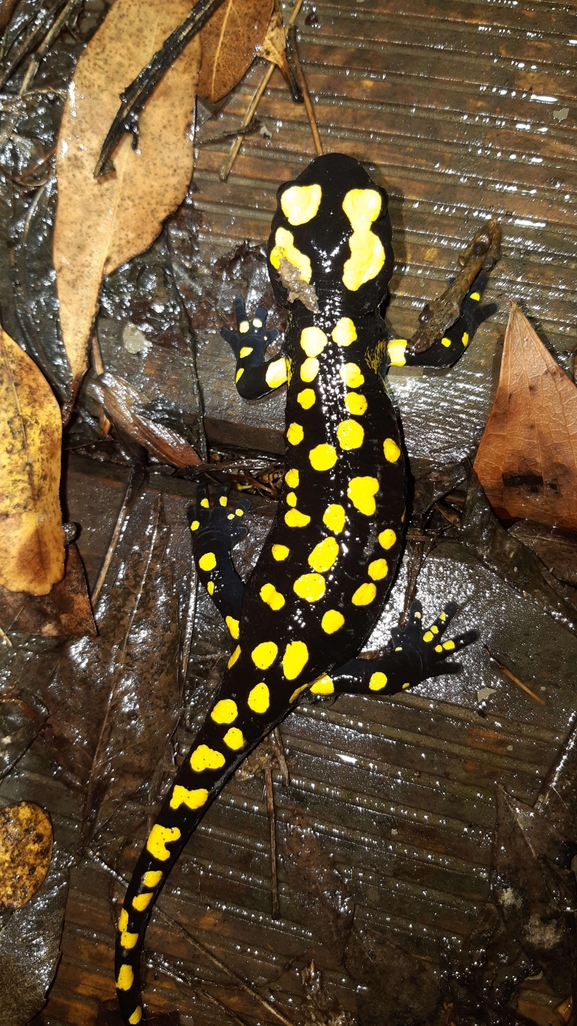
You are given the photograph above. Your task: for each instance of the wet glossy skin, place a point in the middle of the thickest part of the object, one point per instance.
(327, 566)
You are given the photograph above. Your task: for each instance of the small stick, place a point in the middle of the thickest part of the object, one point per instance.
(515, 679)
(302, 83)
(272, 830)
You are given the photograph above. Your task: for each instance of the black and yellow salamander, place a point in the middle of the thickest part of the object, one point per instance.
(327, 566)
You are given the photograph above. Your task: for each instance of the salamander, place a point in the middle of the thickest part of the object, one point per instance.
(328, 563)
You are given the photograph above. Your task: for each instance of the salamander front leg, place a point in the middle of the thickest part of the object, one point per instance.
(418, 654)
(254, 377)
(215, 530)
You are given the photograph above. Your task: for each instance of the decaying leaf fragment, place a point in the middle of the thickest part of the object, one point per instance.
(527, 459)
(31, 537)
(230, 41)
(273, 46)
(25, 852)
(101, 223)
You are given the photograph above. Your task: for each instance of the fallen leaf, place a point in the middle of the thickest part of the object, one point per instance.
(64, 613)
(527, 459)
(31, 539)
(25, 853)
(273, 46)
(102, 223)
(230, 42)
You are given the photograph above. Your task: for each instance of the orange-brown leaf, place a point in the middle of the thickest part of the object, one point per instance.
(101, 223)
(31, 537)
(25, 853)
(527, 459)
(64, 613)
(230, 42)
(273, 46)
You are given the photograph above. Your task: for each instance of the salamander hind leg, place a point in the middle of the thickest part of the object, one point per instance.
(254, 376)
(215, 531)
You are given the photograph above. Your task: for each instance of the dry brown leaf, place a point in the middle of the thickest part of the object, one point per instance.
(230, 42)
(527, 459)
(25, 852)
(102, 223)
(31, 537)
(273, 47)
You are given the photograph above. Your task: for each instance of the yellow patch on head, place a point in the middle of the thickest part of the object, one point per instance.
(296, 519)
(344, 332)
(234, 657)
(332, 621)
(233, 626)
(396, 349)
(280, 552)
(310, 587)
(207, 562)
(378, 569)
(364, 595)
(387, 538)
(295, 658)
(334, 518)
(205, 758)
(152, 878)
(225, 711)
(361, 492)
(158, 838)
(351, 375)
(136, 1016)
(313, 341)
(295, 434)
(292, 478)
(285, 248)
(350, 434)
(307, 398)
(356, 403)
(142, 901)
(299, 203)
(272, 597)
(323, 686)
(324, 555)
(309, 369)
(125, 978)
(234, 739)
(264, 654)
(391, 450)
(193, 799)
(323, 456)
(276, 373)
(259, 698)
(378, 681)
(362, 207)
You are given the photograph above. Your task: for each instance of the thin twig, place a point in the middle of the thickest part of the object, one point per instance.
(302, 82)
(45, 44)
(113, 541)
(515, 679)
(272, 831)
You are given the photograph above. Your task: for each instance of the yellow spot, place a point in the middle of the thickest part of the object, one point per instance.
(387, 538)
(298, 692)
(234, 657)
(291, 499)
(378, 681)
(234, 739)
(142, 901)
(123, 920)
(295, 434)
(152, 878)
(292, 478)
(332, 621)
(272, 597)
(195, 525)
(438, 648)
(285, 248)
(205, 503)
(276, 373)
(310, 587)
(391, 450)
(309, 369)
(264, 654)
(295, 519)
(350, 434)
(210, 587)
(295, 659)
(351, 375)
(223, 501)
(125, 978)
(396, 350)
(323, 686)
(428, 636)
(407, 685)
(128, 940)
(245, 351)
(194, 799)
(344, 332)
(435, 629)
(259, 698)
(225, 711)
(280, 553)
(158, 838)
(475, 295)
(243, 327)
(313, 341)
(362, 207)
(378, 569)
(364, 595)
(239, 374)
(257, 323)
(233, 627)
(205, 758)
(356, 403)
(306, 398)
(465, 339)
(334, 518)
(136, 1016)
(361, 492)
(300, 203)
(323, 456)
(443, 617)
(208, 561)
(448, 646)
(324, 555)
(446, 342)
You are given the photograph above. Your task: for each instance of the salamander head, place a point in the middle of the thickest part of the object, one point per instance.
(330, 239)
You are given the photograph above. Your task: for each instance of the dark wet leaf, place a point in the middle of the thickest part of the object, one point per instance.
(394, 987)
(21, 717)
(556, 549)
(321, 1008)
(25, 853)
(64, 612)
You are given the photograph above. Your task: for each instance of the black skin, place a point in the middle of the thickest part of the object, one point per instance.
(326, 569)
